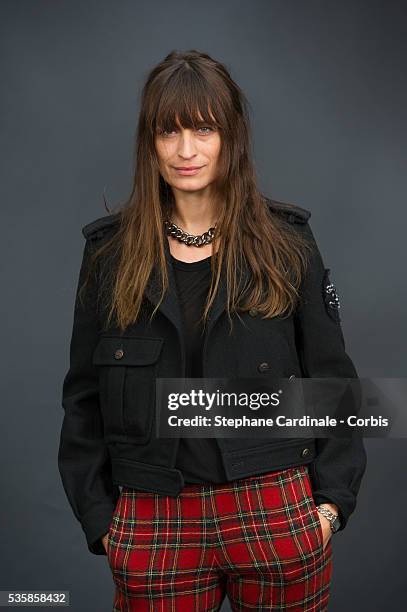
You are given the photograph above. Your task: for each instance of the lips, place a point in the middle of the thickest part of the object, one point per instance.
(188, 170)
(187, 167)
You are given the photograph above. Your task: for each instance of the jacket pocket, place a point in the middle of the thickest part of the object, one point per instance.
(127, 371)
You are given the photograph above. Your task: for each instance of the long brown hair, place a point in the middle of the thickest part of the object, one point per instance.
(180, 88)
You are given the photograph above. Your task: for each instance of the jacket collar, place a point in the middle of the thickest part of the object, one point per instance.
(170, 306)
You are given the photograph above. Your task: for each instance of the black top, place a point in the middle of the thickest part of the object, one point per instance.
(198, 459)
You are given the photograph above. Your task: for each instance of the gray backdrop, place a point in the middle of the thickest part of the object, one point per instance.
(327, 85)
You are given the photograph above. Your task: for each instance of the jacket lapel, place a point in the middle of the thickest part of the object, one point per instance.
(170, 306)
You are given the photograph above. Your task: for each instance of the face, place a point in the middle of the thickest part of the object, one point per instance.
(187, 157)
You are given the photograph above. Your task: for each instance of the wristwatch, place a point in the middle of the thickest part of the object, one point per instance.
(332, 518)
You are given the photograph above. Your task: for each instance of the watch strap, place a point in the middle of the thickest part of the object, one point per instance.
(331, 516)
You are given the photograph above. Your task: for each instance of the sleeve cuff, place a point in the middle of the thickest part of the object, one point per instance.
(96, 523)
(320, 497)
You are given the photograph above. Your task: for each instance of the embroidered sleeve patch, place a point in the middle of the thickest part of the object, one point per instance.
(331, 299)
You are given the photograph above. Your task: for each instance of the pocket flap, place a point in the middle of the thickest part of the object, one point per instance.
(127, 350)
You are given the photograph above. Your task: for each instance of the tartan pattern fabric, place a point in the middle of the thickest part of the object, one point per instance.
(256, 540)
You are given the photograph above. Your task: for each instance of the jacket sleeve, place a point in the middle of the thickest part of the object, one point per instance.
(83, 459)
(340, 463)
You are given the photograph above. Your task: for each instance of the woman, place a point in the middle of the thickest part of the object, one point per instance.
(199, 275)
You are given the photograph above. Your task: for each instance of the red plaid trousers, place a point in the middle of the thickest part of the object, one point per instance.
(256, 540)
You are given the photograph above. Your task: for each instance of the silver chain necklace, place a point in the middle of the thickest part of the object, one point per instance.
(189, 239)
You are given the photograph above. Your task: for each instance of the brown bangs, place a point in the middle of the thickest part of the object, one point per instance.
(186, 100)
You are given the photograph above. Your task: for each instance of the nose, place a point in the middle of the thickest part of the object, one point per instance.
(186, 145)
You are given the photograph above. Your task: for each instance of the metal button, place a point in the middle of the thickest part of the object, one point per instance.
(305, 452)
(118, 354)
(253, 312)
(263, 366)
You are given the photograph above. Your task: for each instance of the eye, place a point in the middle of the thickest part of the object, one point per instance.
(207, 127)
(165, 133)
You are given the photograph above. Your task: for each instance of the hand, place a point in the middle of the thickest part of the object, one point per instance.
(104, 541)
(325, 524)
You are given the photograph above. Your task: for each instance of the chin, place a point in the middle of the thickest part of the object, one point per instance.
(190, 185)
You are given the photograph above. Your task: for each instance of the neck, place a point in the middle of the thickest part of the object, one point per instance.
(193, 214)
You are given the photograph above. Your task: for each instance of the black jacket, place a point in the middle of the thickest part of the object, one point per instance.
(105, 442)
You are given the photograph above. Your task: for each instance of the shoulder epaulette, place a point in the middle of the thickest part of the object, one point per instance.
(97, 228)
(293, 213)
